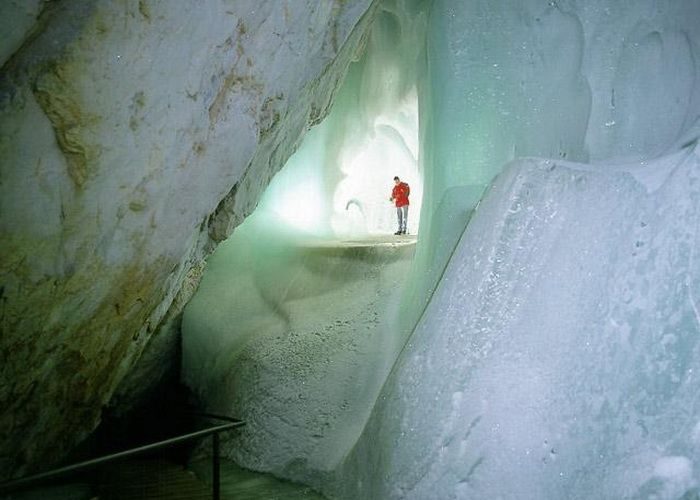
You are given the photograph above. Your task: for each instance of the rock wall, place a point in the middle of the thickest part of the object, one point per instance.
(134, 136)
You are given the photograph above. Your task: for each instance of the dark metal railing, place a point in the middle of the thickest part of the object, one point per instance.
(36, 479)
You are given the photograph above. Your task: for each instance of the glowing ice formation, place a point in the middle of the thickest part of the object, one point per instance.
(339, 181)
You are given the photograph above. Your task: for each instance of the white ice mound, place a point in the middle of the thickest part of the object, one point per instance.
(559, 357)
(294, 337)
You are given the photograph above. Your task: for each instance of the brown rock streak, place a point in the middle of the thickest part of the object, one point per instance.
(58, 100)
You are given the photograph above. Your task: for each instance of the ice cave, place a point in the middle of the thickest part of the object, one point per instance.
(197, 219)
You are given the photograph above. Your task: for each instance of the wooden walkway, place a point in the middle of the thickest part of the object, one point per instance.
(159, 479)
(241, 484)
(149, 479)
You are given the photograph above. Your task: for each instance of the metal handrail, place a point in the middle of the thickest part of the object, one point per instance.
(23, 482)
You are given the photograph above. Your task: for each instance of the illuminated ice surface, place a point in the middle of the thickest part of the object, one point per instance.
(294, 327)
(339, 181)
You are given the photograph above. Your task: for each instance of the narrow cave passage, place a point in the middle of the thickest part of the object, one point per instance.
(296, 323)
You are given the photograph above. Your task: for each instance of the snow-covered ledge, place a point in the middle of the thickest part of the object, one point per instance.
(134, 136)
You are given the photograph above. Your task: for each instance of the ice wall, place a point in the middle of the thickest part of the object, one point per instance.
(578, 80)
(562, 79)
(559, 356)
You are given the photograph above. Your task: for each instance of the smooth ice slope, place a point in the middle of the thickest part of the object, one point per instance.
(559, 357)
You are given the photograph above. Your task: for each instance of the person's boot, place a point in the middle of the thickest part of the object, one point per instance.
(398, 232)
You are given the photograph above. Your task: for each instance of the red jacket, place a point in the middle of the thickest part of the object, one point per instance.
(400, 194)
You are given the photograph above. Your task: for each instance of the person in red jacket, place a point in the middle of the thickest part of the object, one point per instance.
(399, 195)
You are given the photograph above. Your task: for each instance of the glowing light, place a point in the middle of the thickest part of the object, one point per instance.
(296, 195)
(339, 181)
(301, 206)
(388, 148)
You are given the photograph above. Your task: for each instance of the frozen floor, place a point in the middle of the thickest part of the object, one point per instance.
(295, 339)
(375, 240)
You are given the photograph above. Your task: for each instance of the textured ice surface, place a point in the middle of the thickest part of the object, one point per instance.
(293, 336)
(559, 357)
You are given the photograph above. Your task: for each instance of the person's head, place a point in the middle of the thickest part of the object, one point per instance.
(396, 179)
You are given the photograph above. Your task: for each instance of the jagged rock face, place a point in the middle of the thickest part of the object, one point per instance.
(134, 136)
